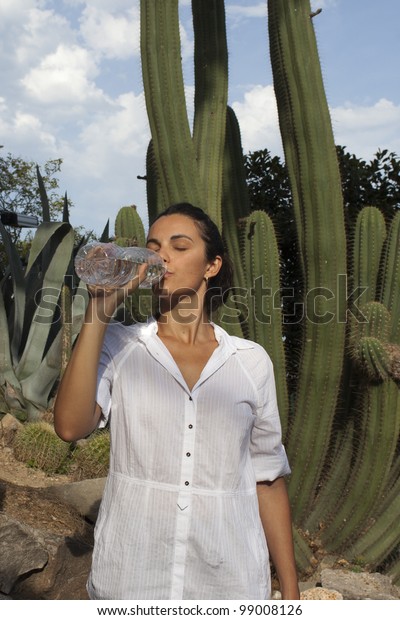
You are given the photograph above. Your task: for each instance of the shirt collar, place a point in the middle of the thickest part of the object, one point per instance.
(150, 329)
(222, 335)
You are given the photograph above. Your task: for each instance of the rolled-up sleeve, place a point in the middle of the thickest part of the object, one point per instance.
(267, 452)
(104, 385)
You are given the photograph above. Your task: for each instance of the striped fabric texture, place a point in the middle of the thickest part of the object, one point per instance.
(179, 516)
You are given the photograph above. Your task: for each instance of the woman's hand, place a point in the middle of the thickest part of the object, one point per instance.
(275, 516)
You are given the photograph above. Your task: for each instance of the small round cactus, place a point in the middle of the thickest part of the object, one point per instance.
(37, 445)
(92, 456)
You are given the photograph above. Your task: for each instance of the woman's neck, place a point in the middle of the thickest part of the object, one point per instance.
(185, 326)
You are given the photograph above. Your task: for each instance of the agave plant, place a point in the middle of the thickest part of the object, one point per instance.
(41, 308)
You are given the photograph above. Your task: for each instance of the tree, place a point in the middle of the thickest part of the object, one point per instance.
(374, 183)
(19, 188)
(25, 189)
(269, 189)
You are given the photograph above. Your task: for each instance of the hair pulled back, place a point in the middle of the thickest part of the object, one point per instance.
(219, 285)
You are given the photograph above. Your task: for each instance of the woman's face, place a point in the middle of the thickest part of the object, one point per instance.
(176, 238)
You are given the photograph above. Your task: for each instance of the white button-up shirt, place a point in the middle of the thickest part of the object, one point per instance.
(179, 517)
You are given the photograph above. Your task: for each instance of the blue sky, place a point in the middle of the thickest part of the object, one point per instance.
(71, 87)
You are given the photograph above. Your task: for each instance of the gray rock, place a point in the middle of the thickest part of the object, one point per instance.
(85, 496)
(64, 576)
(21, 551)
(8, 428)
(360, 586)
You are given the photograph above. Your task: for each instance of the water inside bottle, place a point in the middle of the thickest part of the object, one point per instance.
(106, 271)
(111, 266)
(155, 265)
(154, 274)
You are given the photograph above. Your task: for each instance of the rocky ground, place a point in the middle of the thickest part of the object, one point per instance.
(33, 517)
(46, 538)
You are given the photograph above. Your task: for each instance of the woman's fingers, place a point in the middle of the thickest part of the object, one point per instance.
(132, 285)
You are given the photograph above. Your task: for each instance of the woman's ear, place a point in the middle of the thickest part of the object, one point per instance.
(213, 267)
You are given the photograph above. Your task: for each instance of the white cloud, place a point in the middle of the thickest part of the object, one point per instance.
(119, 132)
(258, 120)
(40, 33)
(27, 134)
(64, 76)
(11, 10)
(28, 125)
(361, 129)
(114, 36)
(323, 4)
(102, 163)
(365, 129)
(107, 5)
(239, 10)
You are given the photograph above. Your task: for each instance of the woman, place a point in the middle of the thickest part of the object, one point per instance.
(196, 463)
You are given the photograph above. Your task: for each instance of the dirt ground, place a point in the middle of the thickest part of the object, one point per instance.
(23, 496)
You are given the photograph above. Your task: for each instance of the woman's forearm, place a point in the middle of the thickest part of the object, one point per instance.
(75, 412)
(276, 520)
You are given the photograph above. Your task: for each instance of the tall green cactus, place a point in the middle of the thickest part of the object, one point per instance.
(261, 260)
(367, 445)
(346, 398)
(174, 151)
(318, 207)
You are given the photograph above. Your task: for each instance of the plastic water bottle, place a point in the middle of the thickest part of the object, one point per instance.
(112, 266)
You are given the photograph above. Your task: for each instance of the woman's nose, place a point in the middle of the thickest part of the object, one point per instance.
(163, 255)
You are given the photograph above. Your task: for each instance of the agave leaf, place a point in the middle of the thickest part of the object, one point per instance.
(44, 247)
(17, 274)
(37, 386)
(105, 235)
(79, 304)
(43, 197)
(42, 320)
(6, 366)
(65, 217)
(41, 239)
